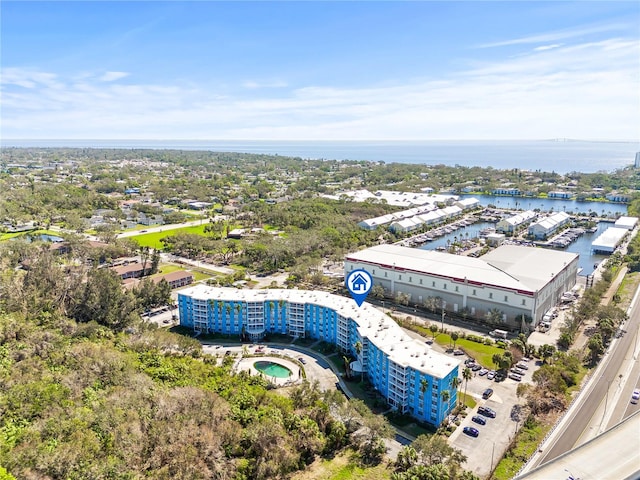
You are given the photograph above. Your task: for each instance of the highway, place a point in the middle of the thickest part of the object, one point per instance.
(603, 403)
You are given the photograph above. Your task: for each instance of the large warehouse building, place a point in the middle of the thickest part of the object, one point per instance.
(520, 283)
(408, 373)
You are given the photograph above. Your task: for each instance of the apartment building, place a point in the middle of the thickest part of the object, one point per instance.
(407, 372)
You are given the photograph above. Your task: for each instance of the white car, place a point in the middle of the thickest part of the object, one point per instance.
(635, 396)
(491, 375)
(483, 371)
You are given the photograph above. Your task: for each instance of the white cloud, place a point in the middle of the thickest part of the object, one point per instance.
(586, 91)
(557, 35)
(547, 47)
(113, 76)
(250, 84)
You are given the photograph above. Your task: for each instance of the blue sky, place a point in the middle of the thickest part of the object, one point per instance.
(320, 70)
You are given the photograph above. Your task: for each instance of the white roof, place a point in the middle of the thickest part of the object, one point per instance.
(372, 324)
(626, 222)
(468, 202)
(534, 267)
(609, 239)
(519, 218)
(402, 199)
(515, 267)
(429, 261)
(552, 221)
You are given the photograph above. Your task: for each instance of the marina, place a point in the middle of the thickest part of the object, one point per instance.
(467, 231)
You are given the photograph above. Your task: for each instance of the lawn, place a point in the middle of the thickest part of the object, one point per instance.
(168, 268)
(8, 236)
(527, 443)
(480, 352)
(152, 240)
(342, 467)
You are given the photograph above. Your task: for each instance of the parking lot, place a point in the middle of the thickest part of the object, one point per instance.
(494, 437)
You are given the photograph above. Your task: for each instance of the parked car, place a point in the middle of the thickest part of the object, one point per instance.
(302, 360)
(491, 375)
(499, 377)
(476, 367)
(523, 366)
(487, 412)
(515, 376)
(458, 352)
(518, 370)
(487, 393)
(469, 361)
(483, 371)
(479, 419)
(472, 432)
(635, 396)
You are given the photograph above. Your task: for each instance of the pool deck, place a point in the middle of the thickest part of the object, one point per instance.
(246, 363)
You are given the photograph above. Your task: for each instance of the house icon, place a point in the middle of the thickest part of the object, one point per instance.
(359, 284)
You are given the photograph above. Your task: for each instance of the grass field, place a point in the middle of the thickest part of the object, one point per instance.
(172, 267)
(482, 353)
(342, 467)
(9, 236)
(152, 240)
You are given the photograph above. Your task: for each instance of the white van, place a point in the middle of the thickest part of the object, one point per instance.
(498, 333)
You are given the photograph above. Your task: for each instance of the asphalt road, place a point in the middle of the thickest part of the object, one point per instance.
(582, 416)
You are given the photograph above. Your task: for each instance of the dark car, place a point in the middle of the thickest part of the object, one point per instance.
(487, 412)
(476, 367)
(472, 432)
(479, 419)
(487, 393)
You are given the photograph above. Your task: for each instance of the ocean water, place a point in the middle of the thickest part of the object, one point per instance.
(545, 155)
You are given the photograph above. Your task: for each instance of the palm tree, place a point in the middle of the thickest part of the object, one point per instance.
(546, 351)
(347, 366)
(424, 386)
(358, 347)
(445, 395)
(497, 360)
(467, 374)
(454, 337)
(434, 329)
(455, 383)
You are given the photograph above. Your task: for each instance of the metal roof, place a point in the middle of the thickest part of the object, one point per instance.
(509, 266)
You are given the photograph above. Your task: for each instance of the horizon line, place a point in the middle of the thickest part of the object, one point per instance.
(557, 140)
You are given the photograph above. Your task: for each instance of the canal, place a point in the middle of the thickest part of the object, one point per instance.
(601, 209)
(582, 246)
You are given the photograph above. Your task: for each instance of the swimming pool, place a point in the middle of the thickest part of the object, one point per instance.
(272, 369)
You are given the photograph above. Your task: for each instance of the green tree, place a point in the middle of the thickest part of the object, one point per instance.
(434, 330)
(455, 383)
(467, 375)
(546, 352)
(596, 347)
(454, 338)
(103, 300)
(4, 475)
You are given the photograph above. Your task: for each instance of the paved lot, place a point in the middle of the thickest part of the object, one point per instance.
(496, 435)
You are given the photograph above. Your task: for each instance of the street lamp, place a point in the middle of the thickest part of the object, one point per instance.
(444, 304)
